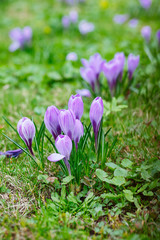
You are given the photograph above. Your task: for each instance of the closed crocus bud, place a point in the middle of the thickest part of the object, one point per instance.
(89, 75)
(64, 146)
(67, 121)
(96, 113)
(96, 62)
(78, 132)
(145, 3)
(75, 103)
(120, 57)
(146, 33)
(26, 130)
(133, 62)
(51, 121)
(111, 72)
(158, 36)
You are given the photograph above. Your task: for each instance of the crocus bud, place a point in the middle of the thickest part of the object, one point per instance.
(96, 62)
(27, 33)
(67, 121)
(75, 103)
(120, 57)
(73, 15)
(64, 146)
(158, 36)
(146, 33)
(51, 121)
(145, 3)
(66, 21)
(26, 130)
(89, 75)
(83, 92)
(111, 72)
(96, 113)
(133, 62)
(78, 132)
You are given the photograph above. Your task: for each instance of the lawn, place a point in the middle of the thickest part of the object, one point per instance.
(113, 189)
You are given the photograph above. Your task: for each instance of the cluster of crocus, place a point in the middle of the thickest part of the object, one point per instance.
(71, 18)
(20, 38)
(69, 123)
(145, 3)
(91, 70)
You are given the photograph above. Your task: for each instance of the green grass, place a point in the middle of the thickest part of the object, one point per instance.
(31, 205)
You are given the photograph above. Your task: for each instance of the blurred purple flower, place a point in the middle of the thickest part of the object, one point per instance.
(120, 57)
(158, 36)
(133, 62)
(133, 23)
(26, 130)
(12, 153)
(51, 121)
(78, 132)
(66, 21)
(72, 56)
(73, 15)
(67, 121)
(86, 27)
(145, 3)
(20, 38)
(146, 33)
(89, 75)
(120, 18)
(96, 113)
(75, 103)
(64, 146)
(83, 92)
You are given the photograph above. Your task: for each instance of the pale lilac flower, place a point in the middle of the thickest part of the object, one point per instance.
(75, 103)
(51, 121)
(120, 57)
(133, 23)
(20, 38)
(78, 132)
(67, 121)
(72, 56)
(86, 27)
(158, 36)
(146, 33)
(12, 153)
(66, 21)
(111, 71)
(145, 3)
(120, 18)
(89, 75)
(133, 62)
(64, 146)
(96, 113)
(26, 130)
(83, 92)
(73, 15)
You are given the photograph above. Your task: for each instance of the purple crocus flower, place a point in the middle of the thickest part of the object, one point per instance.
(86, 27)
(146, 33)
(158, 36)
(133, 23)
(12, 153)
(78, 132)
(66, 21)
(20, 38)
(145, 3)
(83, 92)
(72, 56)
(120, 18)
(64, 146)
(51, 121)
(73, 15)
(111, 72)
(96, 113)
(67, 121)
(89, 75)
(120, 57)
(26, 130)
(133, 62)
(75, 103)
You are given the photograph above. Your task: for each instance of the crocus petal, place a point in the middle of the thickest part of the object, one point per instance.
(14, 46)
(55, 157)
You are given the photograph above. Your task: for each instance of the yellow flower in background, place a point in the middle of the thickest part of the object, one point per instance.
(47, 30)
(104, 4)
